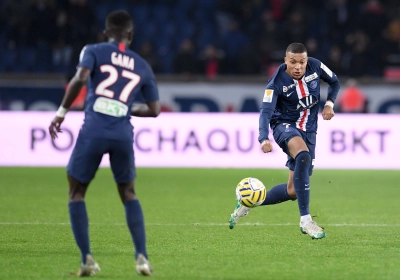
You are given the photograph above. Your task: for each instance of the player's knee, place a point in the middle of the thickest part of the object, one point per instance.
(126, 191)
(304, 159)
(291, 191)
(77, 190)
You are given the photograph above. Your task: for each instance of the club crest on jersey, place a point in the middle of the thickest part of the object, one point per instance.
(268, 95)
(285, 89)
(313, 84)
(311, 77)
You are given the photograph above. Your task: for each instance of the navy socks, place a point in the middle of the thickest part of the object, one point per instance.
(301, 181)
(277, 194)
(80, 226)
(135, 221)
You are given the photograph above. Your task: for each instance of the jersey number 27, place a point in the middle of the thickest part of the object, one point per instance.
(102, 88)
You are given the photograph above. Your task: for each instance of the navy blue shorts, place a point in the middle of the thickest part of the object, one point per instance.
(284, 132)
(88, 152)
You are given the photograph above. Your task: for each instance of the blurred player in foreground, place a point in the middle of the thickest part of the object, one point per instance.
(290, 107)
(117, 76)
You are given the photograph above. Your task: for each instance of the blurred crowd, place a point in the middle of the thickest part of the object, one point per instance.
(357, 38)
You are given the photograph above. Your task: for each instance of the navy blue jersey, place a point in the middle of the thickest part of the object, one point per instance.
(118, 78)
(292, 101)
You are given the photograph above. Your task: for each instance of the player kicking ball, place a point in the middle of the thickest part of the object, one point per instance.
(290, 108)
(117, 77)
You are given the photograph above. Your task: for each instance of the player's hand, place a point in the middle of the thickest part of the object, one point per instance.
(55, 127)
(327, 113)
(266, 146)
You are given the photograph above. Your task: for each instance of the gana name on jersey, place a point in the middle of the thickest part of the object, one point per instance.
(122, 60)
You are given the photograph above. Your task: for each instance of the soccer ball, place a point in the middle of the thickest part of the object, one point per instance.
(251, 192)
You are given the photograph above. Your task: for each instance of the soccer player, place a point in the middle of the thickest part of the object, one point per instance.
(290, 108)
(117, 76)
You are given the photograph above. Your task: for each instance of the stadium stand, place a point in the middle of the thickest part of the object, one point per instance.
(365, 34)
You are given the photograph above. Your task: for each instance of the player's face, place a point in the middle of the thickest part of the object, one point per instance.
(296, 64)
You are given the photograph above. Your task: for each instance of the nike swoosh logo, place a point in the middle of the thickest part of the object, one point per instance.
(306, 185)
(289, 94)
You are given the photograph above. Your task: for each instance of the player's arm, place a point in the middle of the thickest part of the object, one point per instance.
(333, 89)
(75, 85)
(149, 91)
(266, 111)
(86, 64)
(150, 109)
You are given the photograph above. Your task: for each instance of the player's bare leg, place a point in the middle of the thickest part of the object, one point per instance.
(77, 190)
(135, 221)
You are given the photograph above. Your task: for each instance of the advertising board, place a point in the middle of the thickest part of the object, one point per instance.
(213, 140)
(194, 97)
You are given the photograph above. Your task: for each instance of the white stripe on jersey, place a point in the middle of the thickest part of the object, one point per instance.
(82, 53)
(326, 69)
(302, 91)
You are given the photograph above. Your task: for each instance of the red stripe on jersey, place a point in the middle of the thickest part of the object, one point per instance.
(301, 87)
(303, 117)
(303, 94)
(121, 47)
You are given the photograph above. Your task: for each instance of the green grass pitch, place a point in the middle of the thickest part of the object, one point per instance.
(188, 237)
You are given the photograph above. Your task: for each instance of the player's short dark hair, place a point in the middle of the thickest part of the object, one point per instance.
(118, 22)
(296, 48)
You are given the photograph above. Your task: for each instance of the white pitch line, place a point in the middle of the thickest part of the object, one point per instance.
(203, 224)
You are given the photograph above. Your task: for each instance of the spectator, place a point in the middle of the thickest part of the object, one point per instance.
(352, 99)
(335, 60)
(339, 21)
(62, 48)
(249, 60)
(210, 60)
(233, 42)
(225, 11)
(392, 36)
(313, 48)
(185, 60)
(82, 20)
(16, 15)
(42, 30)
(147, 52)
(358, 43)
(252, 32)
(296, 28)
(270, 42)
(373, 21)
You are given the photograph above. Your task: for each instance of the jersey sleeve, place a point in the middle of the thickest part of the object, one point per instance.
(332, 80)
(149, 88)
(87, 58)
(267, 109)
